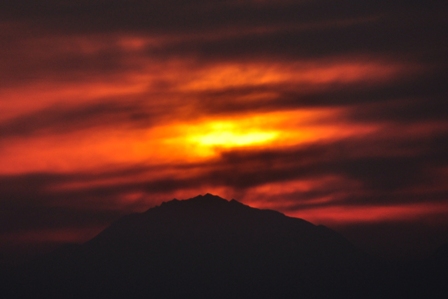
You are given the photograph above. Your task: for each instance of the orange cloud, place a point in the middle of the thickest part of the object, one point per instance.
(349, 215)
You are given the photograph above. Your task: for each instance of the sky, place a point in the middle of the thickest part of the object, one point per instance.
(332, 111)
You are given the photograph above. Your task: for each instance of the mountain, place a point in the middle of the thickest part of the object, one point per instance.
(205, 247)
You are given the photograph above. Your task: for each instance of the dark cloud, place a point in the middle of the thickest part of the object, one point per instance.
(415, 97)
(290, 28)
(29, 202)
(62, 119)
(377, 173)
(27, 58)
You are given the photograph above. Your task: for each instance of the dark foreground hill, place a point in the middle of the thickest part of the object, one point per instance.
(207, 247)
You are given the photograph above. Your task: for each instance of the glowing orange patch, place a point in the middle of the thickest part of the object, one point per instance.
(250, 74)
(339, 215)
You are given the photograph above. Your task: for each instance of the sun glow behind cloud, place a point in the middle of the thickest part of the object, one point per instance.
(91, 142)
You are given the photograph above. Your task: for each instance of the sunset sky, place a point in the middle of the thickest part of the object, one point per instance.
(334, 111)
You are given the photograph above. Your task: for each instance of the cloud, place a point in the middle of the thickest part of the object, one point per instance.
(62, 119)
(241, 30)
(382, 175)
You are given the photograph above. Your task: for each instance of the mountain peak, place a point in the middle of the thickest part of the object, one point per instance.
(209, 247)
(206, 199)
(230, 246)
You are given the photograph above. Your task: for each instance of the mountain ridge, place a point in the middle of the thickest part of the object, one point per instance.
(206, 247)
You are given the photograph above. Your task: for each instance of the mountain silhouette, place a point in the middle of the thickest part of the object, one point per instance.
(206, 247)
